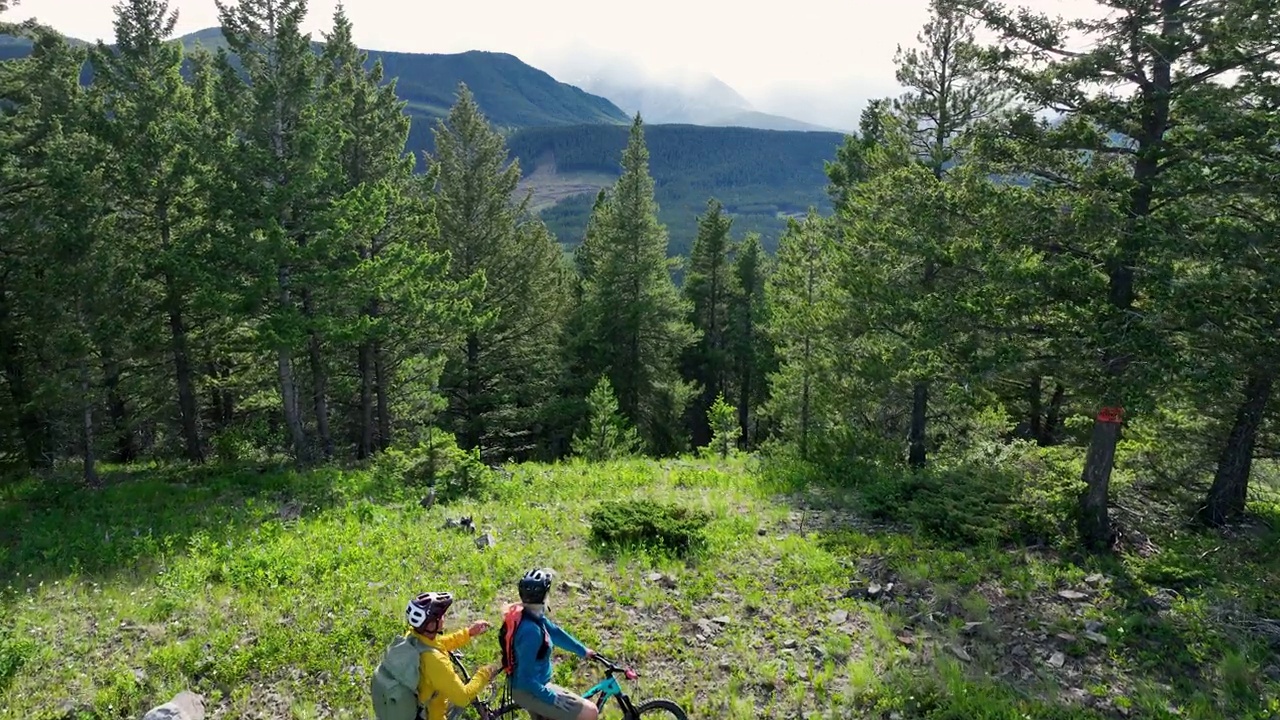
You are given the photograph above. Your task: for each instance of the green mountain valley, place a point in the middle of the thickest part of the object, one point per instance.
(763, 177)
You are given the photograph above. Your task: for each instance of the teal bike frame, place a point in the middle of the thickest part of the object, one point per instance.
(607, 689)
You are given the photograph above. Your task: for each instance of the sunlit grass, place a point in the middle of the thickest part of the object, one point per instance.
(193, 579)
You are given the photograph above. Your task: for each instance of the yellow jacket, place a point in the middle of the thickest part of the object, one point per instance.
(439, 681)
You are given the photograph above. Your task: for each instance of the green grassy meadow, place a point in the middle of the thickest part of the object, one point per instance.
(273, 592)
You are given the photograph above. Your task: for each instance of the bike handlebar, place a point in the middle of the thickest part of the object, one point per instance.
(612, 667)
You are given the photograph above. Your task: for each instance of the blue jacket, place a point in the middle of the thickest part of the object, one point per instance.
(532, 674)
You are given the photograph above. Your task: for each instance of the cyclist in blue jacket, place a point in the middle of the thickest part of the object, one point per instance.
(527, 640)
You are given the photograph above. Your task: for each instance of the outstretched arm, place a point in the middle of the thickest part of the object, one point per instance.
(455, 640)
(563, 639)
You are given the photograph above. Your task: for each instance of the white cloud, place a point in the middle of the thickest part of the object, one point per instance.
(826, 56)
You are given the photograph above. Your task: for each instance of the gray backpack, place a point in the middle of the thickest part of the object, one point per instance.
(395, 682)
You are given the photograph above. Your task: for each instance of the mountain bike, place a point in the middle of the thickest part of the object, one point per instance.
(493, 703)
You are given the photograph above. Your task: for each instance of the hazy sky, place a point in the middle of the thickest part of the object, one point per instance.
(797, 52)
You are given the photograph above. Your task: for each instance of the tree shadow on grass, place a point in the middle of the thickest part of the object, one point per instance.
(968, 578)
(52, 529)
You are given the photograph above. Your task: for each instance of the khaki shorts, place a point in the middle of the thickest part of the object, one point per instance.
(566, 707)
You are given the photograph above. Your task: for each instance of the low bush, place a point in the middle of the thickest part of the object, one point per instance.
(649, 525)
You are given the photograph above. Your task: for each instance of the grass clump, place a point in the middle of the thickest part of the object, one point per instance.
(645, 524)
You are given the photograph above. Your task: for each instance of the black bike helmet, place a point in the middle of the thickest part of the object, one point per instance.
(534, 586)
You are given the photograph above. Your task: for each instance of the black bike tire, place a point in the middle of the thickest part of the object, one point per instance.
(670, 706)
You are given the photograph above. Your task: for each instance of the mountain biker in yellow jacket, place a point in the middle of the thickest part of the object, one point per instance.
(438, 683)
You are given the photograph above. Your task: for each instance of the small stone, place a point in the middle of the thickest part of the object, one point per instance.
(906, 639)
(1096, 637)
(575, 587)
(1093, 626)
(838, 617)
(429, 499)
(725, 665)
(485, 541)
(1095, 579)
(1071, 595)
(790, 643)
(1067, 636)
(874, 590)
(969, 627)
(186, 705)
(960, 653)
(721, 620)
(762, 532)
(1057, 660)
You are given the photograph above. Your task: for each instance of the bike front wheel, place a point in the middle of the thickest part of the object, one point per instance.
(660, 708)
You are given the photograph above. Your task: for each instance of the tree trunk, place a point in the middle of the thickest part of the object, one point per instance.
(1154, 99)
(319, 379)
(86, 427)
(1035, 427)
(288, 388)
(367, 382)
(1053, 418)
(471, 410)
(125, 449)
(1094, 521)
(382, 376)
(744, 408)
(1230, 490)
(184, 377)
(804, 405)
(917, 454)
(35, 437)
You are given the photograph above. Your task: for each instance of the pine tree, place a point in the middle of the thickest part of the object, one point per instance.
(607, 435)
(725, 433)
(1147, 65)
(635, 318)
(751, 353)
(802, 301)
(500, 384)
(948, 91)
(709, 291)
(148, 124)
(372, 172)
(279, 170)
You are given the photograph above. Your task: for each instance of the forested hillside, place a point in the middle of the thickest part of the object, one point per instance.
(763, 177)
(959, 448)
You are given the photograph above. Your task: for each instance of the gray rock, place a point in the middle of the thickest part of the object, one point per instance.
(1071, 595)
(485, 541)
(186, 705)
(839, 617)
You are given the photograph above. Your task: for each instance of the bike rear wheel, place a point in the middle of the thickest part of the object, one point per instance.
(660, 708)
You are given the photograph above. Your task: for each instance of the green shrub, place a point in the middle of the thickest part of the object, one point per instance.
(14, 653)
(649, 525)
(437, 462)
(1021, 499)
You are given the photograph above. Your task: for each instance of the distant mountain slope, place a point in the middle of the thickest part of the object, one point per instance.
(669, 97)
(762, 176)
(512, 93)
(570, 144)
